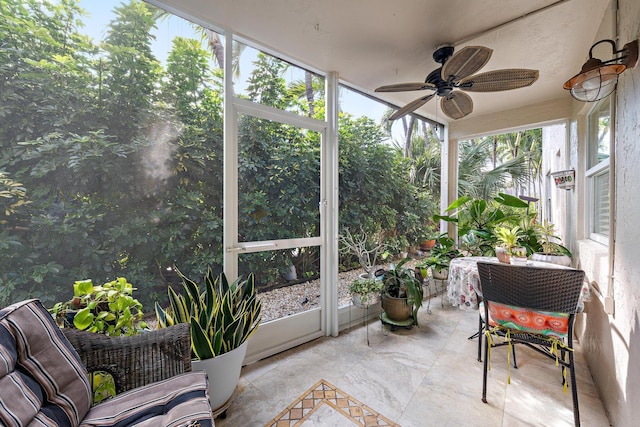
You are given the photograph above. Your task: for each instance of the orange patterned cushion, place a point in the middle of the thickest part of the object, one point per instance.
(546, 323)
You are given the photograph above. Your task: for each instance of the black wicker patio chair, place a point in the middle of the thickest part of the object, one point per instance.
(533, 306)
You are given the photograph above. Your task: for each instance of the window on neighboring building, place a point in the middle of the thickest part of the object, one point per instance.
(597, 174)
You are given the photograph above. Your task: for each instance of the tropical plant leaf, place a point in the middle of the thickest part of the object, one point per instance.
(509, 200)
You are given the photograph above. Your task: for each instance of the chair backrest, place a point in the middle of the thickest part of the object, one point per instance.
(537, 288)
(42, 380)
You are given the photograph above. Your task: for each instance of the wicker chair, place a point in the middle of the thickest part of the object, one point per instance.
(533, 306)
(45, 375)
(137, 360)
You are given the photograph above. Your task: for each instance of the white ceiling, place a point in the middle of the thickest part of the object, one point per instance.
(371, 43)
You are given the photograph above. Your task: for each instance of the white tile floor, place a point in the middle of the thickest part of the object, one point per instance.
(426, 376)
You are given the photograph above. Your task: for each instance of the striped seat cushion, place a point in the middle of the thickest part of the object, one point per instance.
(42, 380)
(182, 400)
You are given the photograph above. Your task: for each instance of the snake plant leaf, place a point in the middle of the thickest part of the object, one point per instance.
(200, 343)
(222, 316)
(178, 306)
(218, 344)
(210, 296)
(164, 318)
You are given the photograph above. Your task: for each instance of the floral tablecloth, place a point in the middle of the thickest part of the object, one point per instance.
(464, 281)
(463, 285)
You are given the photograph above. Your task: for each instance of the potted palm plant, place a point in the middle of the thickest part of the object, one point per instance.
(222, 316)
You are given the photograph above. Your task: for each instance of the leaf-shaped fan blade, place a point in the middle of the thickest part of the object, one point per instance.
(466, 62)
(412, 106)
(457, 105)
(499, 80)
(405, 87)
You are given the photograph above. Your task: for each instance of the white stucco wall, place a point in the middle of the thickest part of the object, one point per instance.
(612, 342)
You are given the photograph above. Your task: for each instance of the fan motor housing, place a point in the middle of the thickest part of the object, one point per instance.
(443, 88)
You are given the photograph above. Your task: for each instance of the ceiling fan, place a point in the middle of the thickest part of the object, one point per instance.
(457, 72)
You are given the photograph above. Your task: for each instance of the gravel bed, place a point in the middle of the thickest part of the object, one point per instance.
(293, 299)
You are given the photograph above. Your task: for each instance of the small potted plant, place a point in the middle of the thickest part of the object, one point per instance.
(439, 258)
(518, 256)
(365, 291)
(108, 309)
(401, 294)
(551, 250)
(509, 238)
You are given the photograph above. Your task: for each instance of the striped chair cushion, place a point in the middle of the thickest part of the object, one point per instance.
(42, 381)
(182, 400)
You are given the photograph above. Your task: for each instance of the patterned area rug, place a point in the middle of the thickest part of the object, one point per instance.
(324, 404)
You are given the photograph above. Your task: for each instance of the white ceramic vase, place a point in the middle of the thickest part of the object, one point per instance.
(552, 259)
(224, 373)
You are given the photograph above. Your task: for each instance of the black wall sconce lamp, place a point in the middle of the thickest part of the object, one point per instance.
(598, 79)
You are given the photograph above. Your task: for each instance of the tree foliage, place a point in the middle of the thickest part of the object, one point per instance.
(111, 161)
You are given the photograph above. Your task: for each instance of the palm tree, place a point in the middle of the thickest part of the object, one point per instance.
(477, 180)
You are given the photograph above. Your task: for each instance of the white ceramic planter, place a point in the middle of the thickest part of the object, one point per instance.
(224, 373)
(517, 260)
(441, 274)
(552, 259)
(369, 300)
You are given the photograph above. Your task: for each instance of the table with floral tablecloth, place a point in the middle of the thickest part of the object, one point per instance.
(463, 286)
(464, 281)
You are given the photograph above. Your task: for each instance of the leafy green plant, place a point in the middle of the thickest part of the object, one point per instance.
(509, 237)
(440, 256)
(479, 218)
(401, 282)
(109, 309)
(222, 316)
(549, 241)
(365, 287)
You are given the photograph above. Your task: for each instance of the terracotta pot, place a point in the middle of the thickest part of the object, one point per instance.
(427, 245)
(503, 255)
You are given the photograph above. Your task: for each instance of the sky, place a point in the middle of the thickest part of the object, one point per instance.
(100, 14)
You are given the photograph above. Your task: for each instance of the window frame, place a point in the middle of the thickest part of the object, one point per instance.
(596, 169)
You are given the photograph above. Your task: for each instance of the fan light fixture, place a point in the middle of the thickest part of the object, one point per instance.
(598, 79)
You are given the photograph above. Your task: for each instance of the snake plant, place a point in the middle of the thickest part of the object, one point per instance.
(222, 316)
